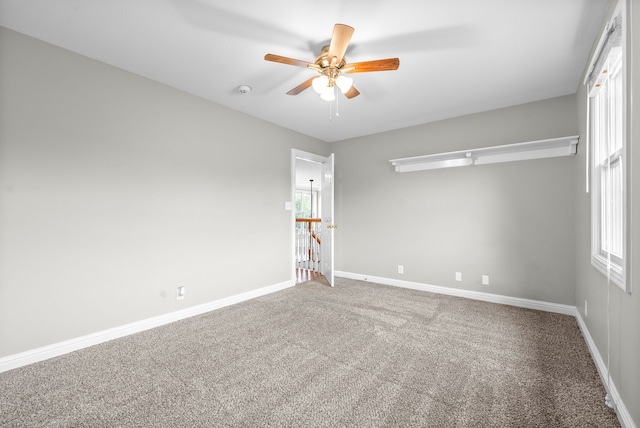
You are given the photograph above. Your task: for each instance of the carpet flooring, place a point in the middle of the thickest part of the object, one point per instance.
(356, 355)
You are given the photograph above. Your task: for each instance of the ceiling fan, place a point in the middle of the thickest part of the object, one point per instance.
(332, 66)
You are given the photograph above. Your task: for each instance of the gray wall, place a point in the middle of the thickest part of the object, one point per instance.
(511, 221)
(115, 189)
(591, 285)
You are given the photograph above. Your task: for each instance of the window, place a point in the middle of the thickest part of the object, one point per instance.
(609, 106)
(305, 203)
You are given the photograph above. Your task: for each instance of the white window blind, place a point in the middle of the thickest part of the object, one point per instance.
(609, 135)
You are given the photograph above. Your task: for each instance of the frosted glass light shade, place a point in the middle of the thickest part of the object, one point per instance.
(344, 83)
(328, 94)
(319, 84)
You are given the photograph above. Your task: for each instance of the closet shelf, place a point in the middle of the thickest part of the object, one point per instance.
(554, 147)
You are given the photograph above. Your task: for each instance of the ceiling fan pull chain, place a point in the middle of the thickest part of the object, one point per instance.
(330, 111)
(337, 105)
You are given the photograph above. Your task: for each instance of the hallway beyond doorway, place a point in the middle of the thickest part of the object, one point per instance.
(304, 275)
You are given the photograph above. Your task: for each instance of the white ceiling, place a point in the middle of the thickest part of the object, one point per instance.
(456, 56)
(306, 171)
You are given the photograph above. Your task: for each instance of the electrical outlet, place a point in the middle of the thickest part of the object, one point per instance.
(400, 269)
(485, 279)
(585, 308)
(180, 292)
(458, 276)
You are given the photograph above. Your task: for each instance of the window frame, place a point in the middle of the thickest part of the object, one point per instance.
(610, 173)
(304, 194)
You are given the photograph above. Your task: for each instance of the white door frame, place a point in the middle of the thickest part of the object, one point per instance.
(305, 156)
(328, 221)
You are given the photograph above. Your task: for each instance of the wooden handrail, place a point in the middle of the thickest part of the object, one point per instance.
(310, 220)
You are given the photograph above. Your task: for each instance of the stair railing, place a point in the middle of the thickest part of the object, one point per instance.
(308, 243)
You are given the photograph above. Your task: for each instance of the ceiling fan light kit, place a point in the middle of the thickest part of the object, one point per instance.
(319, 84)
(344, 83)
(332, 66)
(328, 94)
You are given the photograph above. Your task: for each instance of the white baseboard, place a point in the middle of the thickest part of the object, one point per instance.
(475, 295)
(28, 357)
(623, 414)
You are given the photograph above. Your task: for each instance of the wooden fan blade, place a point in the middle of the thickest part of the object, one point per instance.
(339, 42)
(352, 93)
(368, 66)
(301, 87)
(288, 61)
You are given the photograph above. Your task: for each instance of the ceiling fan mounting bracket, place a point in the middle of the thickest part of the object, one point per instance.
(327, 66)
(324, 61)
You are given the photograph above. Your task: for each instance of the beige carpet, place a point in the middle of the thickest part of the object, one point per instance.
(359, 354)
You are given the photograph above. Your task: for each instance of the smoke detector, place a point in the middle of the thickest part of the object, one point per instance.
(244, 89)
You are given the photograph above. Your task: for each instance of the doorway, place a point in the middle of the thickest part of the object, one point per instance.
(312, 216)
